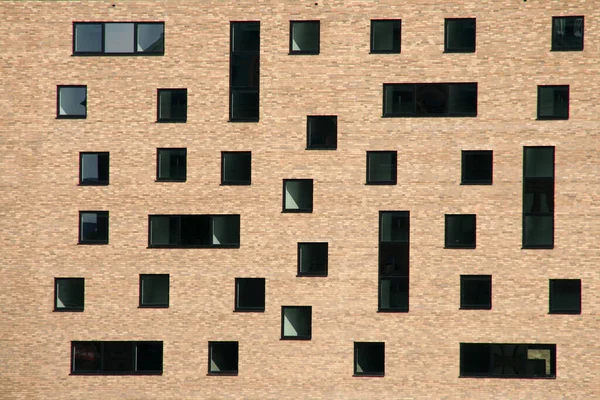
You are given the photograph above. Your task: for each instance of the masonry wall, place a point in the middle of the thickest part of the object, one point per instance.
(41, 200)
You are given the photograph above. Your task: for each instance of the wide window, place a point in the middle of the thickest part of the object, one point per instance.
(244, 71)
(394, 233)
(93, 168)
(304, 37)
(93, 227)
(321, 132)
(460, 231)
(567, 33)
(298, 195)
(236, 168)
(71, 101)
(459, 35)
(68, 294)
(194, 231)
(154, 290)
(172, 105)
(565, 296)
(430, 99)
(538, 197)
(312, 259)
(381, 167)
(476, 167)
(553, 102)
(250, 294)
(475, 292)
(296, 322)
(385, 35)
(171, 165)
(117, 358)
(223, 358)
(369, 359)
(118, 38)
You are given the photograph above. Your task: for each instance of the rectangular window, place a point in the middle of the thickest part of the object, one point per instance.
(430, 99)
(68, 294)
(369, 359)
(312, 259)
(459, 35)
(475, 292)
(385, 35)
(93, 168)
(565, 296)
(538, 197)
(381, 167)
(93, 227)
(250, 294)
(195, 231)
(296, 322)
(236, 168)
(394, 232)
(476, 167)
(223, 358)
(460, 231)
(244, 71)
(172, 105)
(117, 358)
(492, 360)
(305, 37)
(321, 132)
(553, 102)
(118, 38)
(567, 33)
(154, 290)
(71, 101)
(171, 165)
(298, 195)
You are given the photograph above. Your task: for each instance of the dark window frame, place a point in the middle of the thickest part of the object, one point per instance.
(419, 114)
(170, 120)
(164, 305)
(178, 245)
(448, 245)
(230, 182)
(299, 210)
(102, 350)
(326, 263)
(98, 182)
(250, 90)
(554, 46)
(357, 346)
(298, 337)
(467, 181)
(395, 278)
(558, 310)
(470, 278)
(450, 50)
(210, 354)
(372, 38)
(237, 308)
(68, 309)
(308, 134)
(394, 181)
(169, 149)
(71, 116)
(305, 52)
(553, 118)
(103, 39)
(93, 242)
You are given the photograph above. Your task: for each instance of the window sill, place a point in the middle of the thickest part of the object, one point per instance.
(485, 308)
(113, 373)
(391, 310)
(467, 183)
(390, 183)
(564, 312)
(561, 50)
(68, 310)
(171, 121)
(93, 184)
(321, 148)
(71, 116)
(373, 375)
(153, 306)
(412, 115)
(385, 51)
(446, 51)
(170, 180)
(92, 243)
(549, 247)
(467, 247)
(236, 183)
(249, 310)
(232, 373)
(100, 54)
(301, 338)
(297, 211)
(552, 118)
(305, 275)
(232, 246)
(303, 53)
(506, 377)
(243, 120)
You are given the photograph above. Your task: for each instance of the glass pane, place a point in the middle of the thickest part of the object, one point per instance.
(89, 167)
(432, 99)
(539, 162)
(296, 321)
(245, 70)
(72, 101)
(399, 99)
(462, 98)
(226, 230)
(567, 33)
(538, 196)
(313, 258)
(164, 230)
(172, 164)
(118, 357)
(246, 36)
(94, 227)
(151, 38)
(88, 38)
(149, 357)
(394, 227)
(87, 357)
(298, 195)
(118, 38)
(393, 294)
(244, 105)
(538, 231)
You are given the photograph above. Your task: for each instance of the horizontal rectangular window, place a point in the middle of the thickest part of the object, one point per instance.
(430, 99)
(93, 168)
(117, 358)
(68, 294)
(179, 231)
(118, 38)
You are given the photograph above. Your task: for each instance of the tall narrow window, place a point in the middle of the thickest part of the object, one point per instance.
(538, 197)
(93, 168)
(71, 101)
(567, 33)
(244, 71)
(393, 260)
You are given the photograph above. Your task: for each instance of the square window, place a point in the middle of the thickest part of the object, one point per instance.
(93, 227)
(381, 167)
(567, 33)
(172, 105)
(460, 231)
(298, 195)
(118, 38)
(154, 290)
(223, 358)
(68, 294)
(459, 35)
(93, 168)
(369, 359)
(71, 101)
(250, 294)
(87, 38)
(296, 322)
(117, 358)
(565, 296)
(476, 292)
(321, 132)
(236, 168)
(171, 165)
(385, 36)
(304, 37)
(312, 259)
(151, 38)
(476, 167)
(553, 102)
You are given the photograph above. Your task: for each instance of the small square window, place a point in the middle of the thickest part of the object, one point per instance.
(71, 101)
(93, 227)
(385, 36)
(475, 292)
(312, 259)
(460, 231)
(369, 359)
(93, 168)
(223, 358)
(304, 37)
(553, 102)
(460, 35)
(476, 167)
(68, 294)
(154, 290)
(171, 165)
(172, 105)
(567, 33)
(381, 167)
(321, 132)
(565, 296)
(296, 322)
(298, 195)
(236, 168)
(250, 294)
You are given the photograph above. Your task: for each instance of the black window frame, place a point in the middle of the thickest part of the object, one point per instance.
(170, 120)
(70, 116)
(557, 88)
(394, 179)
(554, 309)
(248, 90)
(236, 305)
(69, 308)
(397, 273)
(448, 49)
(98, 213)
(464, 281)
(225, 182)
(464, 180)
(310, 146)
(102, 353)
(325, 271)
(212, 345)
(167, 150)
(98, 182)
(367, 345)
(305, 52)
(555, 46)
(102, 51)
(420, 87)
(397, 49)
(306, 309)
(156, 305)
(178, 245)
(298, 210)
(447, 244)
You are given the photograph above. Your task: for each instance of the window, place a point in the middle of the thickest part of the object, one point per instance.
(223, 358)
(381, 167)
(459, 35)
(178, 231)
(385, 35)
(304, 37)
(298, 195)
(68, 294)
(171, 165)
(71, 101)
(394, 231)
(117, 358)
(565, 296)
(476, 292)
(118, 38)
(553, 102)
(93, 168)
(236, 168)
(296, 322)
(244, 71)
(250, 294)
(476, 167)
(321, 132)
(430, 99)
(538, 197)
(493, 360)
(567, 33)
(312, 259)
(460, 231)
(172, 105)
(369, 359)
(93, 227)
(154, 290)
